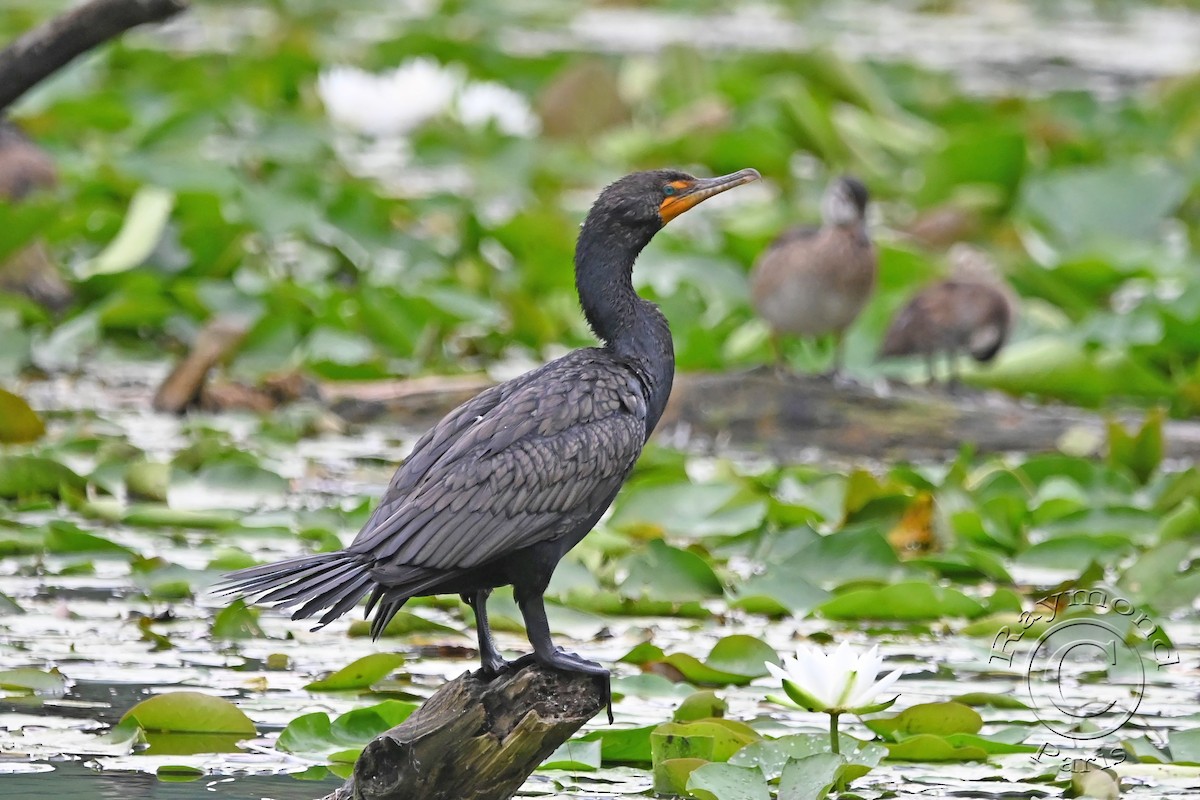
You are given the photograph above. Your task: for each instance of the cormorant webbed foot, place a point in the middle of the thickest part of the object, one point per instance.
(570, 662)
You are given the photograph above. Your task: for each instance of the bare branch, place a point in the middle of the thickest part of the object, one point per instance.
(46, 49)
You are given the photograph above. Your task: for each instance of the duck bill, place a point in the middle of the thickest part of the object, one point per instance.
(698, 191)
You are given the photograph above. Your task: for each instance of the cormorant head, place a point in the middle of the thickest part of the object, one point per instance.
(649, 200)
(845, 202)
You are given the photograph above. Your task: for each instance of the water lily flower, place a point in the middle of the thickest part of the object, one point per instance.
(842, 683)
(390, 103)
(484, 102)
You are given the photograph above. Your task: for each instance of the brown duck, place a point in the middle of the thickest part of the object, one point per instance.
(814, 281)
(972, 311)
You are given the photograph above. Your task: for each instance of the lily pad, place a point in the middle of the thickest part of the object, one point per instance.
(727, 782)
(359, 674)
(18, 422)
(909, 601)
(28, 476)
(190, 712)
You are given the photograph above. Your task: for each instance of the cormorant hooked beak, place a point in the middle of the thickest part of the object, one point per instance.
(693, 193)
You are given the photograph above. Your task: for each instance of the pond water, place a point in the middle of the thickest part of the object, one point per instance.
(98, 619)
(85, 623)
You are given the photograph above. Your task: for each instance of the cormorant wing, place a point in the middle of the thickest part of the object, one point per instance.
(521, 463)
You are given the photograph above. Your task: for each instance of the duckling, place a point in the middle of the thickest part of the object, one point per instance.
(973, 310)
(814, 281)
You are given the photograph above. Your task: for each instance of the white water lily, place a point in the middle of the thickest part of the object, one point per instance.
(481, 103)
(389, 103)
(841, 683)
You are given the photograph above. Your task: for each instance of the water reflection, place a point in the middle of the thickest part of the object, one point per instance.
(72, 780)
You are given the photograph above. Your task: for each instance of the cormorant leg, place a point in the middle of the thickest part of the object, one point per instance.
(930, 365)
(489, 656)
(533, 609)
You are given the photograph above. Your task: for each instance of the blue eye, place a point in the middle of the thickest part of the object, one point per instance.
(669, 190)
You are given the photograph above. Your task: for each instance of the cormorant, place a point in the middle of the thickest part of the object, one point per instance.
(499, 490)
(814, 281)
(972, 310)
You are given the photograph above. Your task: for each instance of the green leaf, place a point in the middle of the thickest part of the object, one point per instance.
(237, 621)
(727, 782)
(913, 600)
(30, 476)
(1184, 746)
(18, 422)
(671, 776)
(65, 537)
(811, 777)
(735, 660)
(700, 705)
(145, 221)
(341, 740)
(941, 719)
(32, 681)
(689, 510)
(772, 755)
(664, 572)
(190, 712)
(625, 746)
(712, 739)
(404, 624)
(1140, 452)
(775, 593)
(1096, 205)
(359, 674)
(974, 699)
(576, 755)
(927, 747)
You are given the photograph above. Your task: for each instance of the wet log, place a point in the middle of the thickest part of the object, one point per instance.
(799, 417)
(475, 739)
(183, 386)
(804, 417)
(51, 46)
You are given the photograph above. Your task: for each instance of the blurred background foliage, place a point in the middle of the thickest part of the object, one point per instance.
(200, 175)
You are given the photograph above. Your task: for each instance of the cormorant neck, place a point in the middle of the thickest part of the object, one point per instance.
(631, 328)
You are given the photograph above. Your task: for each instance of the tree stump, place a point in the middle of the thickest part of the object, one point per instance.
(475, 739)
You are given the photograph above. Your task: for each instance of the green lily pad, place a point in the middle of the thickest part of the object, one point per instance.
(190, 712)
(576, 755)
(32, 681)
(928, 747)
(772, 756)
(811, 777)
(28, 476)
(909, 601)
(700, 705)
(665, 572)
(713, 739)
(237, 621)
(18, 422)
(940, 719)
(359, 674)
(623, 746)
(727, 782)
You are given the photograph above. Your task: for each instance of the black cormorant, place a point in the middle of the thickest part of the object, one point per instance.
(499, 490)
(814, 281)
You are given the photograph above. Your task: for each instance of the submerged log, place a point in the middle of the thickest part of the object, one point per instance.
(801, 417)
(475, 739)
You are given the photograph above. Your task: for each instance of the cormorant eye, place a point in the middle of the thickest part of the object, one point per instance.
(670, 189)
